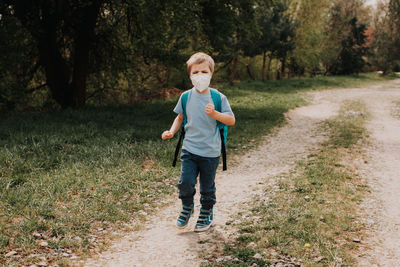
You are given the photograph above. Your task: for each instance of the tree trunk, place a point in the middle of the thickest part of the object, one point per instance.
(233, 73)
(65, 78)
(57, 71)
(278, 70)
(283, 66)
(263, 66)
(269, 67)
(249, 72)
(83, 44)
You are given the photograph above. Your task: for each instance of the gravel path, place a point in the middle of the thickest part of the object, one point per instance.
(161, 244)
(380, 169)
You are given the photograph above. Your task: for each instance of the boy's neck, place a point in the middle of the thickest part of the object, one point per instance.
(204, 92)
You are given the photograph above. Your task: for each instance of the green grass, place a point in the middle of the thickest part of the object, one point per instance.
(310, 216)
(64, 174)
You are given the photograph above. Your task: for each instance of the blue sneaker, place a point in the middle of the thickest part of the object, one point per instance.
(184, 216)
(205, 220)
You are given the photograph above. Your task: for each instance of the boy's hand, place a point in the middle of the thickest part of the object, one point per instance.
(167, 135)
(210, 110)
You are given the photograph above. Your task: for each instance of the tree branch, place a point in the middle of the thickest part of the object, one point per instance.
(36, 88)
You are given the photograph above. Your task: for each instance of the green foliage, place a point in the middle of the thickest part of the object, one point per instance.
(18, 63)
(277, 29)
(313, 44)
(73, 52)
(385, 52)
(331, 38)
(351, 38)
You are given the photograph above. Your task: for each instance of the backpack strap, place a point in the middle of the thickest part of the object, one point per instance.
(184, 99)
(223, 128)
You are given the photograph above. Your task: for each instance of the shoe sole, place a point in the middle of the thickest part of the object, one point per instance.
(202, 229)
(183, 227)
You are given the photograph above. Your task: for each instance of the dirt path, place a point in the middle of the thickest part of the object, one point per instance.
(161, 244)
(380, 168)
(382, 211)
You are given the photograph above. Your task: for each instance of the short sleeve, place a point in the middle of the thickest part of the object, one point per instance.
(225, 107)
(178, 108)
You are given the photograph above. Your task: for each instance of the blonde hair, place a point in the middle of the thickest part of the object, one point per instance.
(199, 58)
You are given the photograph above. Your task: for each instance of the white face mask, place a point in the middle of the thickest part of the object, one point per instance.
(200, 81)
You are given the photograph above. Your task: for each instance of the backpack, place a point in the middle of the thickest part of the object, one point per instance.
(223, 128)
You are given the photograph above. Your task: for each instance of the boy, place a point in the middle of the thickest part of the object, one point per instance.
(202, 142)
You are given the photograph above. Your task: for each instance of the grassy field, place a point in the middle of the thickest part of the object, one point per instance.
(69, 178)
(308, 217)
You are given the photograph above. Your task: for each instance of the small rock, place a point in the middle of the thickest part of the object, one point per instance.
(273, 253)
(307, 197)
(142, 212)
(356, 240)
(229, 222)
(100, 229)
(11, 253)
(33, 265)
(254, 265)
(321, 218)
(42, 263)
(251, 245)
(219, 259)
(43, 243)
(65, 254)
(74, 257)
(338, 259)
(37, 235)
(257, 256)
(228, 258)
(319, 259)
(78, 238)
(370, 221)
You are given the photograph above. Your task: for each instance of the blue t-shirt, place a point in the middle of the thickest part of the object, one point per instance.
(202, 136)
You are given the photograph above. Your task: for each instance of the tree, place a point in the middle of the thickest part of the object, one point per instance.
(312, 41)
(229, 27)
(73, 39)
(385, 48)
(63, 32)
(350, 35)
(18, 64)
(277, 32)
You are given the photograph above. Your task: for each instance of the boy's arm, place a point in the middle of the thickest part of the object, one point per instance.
(227, 119)
(176, 125)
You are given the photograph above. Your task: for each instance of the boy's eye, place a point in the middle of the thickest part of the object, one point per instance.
(204, 71)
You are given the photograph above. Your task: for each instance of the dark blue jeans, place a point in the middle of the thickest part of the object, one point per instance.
(192, 165)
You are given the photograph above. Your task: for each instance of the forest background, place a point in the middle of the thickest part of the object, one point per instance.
(70, 53)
